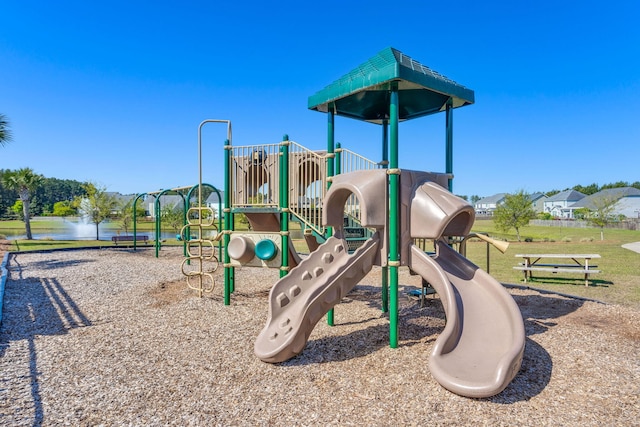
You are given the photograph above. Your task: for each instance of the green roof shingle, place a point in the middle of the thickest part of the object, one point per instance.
(363, 93)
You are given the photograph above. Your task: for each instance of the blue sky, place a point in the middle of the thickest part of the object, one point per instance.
(113, 92)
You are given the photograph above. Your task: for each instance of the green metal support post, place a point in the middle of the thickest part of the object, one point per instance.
(394, 226)
(158, 227)
(449, 142)
(228, 225)
(158, 213)
(330, 173)
(385, 165)
(135, 219)
(284, 204)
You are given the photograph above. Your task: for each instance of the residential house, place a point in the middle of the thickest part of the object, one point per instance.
(486, 205)
(630, 195)
(628, 206)
(561, 205)
(537, 201)
(166, 200)
(216, 203)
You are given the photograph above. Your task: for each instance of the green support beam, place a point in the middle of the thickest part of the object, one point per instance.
(394, 210)
(228, 225)
(449, 142)
(284, 204)
(330, 173)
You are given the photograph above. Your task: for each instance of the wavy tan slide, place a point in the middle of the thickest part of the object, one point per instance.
(481, 347)
(480, 350)
(299, 300)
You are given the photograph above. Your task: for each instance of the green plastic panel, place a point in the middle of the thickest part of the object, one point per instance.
(363, 94)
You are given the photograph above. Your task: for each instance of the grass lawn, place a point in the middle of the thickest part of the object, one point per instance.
(618, 282)
(619, 279)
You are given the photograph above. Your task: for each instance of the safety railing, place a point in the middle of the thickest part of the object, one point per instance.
(255, 175)
(307, 185)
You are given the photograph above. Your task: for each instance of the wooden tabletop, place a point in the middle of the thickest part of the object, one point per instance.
(586, 256)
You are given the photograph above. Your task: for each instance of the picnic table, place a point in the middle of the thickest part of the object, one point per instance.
(553, 263)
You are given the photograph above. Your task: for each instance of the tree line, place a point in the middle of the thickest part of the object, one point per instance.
(86, 199)
(24, 193)
(44, 196)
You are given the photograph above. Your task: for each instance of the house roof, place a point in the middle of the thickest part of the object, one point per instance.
(495, 199)
(536, 196)
(213, 197)
(610, 194)
(121, 198)
(566, 196)
(364, 93)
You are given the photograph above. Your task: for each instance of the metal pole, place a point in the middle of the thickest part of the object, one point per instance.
(394, 226)
(156, 211)
(228, 224)
(284, 204)
(449, 142)
(488, 257)
(385, 165)
(330, 173)
(228, 217)
(135, 219)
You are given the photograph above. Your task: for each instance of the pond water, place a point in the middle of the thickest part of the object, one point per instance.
(78, 230)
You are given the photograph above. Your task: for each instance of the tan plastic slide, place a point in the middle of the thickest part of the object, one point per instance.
(480, 350)
(481, 347)
(299, 300)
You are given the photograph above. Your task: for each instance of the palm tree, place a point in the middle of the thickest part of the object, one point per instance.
(5, 133)
(24, 181)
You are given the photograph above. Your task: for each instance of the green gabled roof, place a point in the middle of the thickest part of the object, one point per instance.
(363, 93)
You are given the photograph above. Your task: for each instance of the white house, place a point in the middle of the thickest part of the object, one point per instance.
(214, 203)
(487, 205)
(561, 205)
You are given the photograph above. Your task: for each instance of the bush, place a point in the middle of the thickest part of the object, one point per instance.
(567, 239)
(528, 239)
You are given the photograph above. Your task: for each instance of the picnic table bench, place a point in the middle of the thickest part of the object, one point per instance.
(580, 264)
(137, 238)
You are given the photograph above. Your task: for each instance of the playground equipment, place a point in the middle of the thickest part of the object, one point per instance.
(186, 194)
(198, 234)
(271, 184)
(481, 347)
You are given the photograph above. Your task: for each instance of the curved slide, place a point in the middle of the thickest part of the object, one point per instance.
(480, 350)
(299, 300)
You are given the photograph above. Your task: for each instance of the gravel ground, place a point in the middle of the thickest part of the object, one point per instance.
(115, 337)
